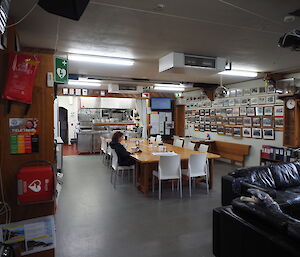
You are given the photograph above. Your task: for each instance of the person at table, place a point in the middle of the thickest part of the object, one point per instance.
(124, 158)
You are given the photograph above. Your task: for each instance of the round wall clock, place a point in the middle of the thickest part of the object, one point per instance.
(291, 103)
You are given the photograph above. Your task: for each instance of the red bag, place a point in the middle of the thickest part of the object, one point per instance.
(20, 78)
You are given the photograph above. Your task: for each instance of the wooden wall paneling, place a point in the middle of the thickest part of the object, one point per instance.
(180, 120)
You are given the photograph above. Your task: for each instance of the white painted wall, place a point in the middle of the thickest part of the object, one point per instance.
(256, 144)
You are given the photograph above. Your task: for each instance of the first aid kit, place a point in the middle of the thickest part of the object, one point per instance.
(35, 183)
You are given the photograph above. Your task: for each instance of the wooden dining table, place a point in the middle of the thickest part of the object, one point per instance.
(146, 162)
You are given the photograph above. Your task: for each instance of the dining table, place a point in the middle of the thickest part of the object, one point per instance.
(147, 160)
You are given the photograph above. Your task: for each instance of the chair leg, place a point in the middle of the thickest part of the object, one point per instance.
(133, 177)
(190, 186)
(177, 185)
(180, 182)
(152, 184)
(172, 185)
(159, 189)
(207, 187)
(115, 179)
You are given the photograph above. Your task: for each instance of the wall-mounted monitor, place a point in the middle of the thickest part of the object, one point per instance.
(161, 103)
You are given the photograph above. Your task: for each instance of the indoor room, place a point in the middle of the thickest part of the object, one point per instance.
(154, 128)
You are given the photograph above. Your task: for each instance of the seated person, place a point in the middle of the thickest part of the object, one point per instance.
(124, 158)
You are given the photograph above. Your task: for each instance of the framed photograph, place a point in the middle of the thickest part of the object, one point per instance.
(244, 101)
(207, 128)
(213, 128)
(267, 122)
(207, 120)
(84, 92)
(239, 92)
(279, 110)
(231, 102)
(259, 111)
(256, 133)
(196, 127)
(223, 112)
(239, 121)
(243, 111)
(236, 111)
(268, 110)
(247, 132)
(268, 134)
(232, 121)
(232, 92)
(262, 90)
(202, 112)
(65, 91)
(271, 89)
(247, 91)
(220, 130)
(202, 119)
(254, 91)
(237, 132)
(228, 131)
(229, 112)
(250, 111)
(237, 101)
(256, 122)
(279, 122)
(247, 122)
(226, 102)
(213, 120)
(202, 128)
(219, 120)
(218, 112)
(225, 121)
(213, 112)
(207, 112)
(254, 101)
(71, 91)
(270, 99)
(261, 100)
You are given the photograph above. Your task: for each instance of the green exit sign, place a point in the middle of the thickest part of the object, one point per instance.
(61, 69)
(177, 95)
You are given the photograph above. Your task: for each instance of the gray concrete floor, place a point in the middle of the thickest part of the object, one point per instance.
(95, 220)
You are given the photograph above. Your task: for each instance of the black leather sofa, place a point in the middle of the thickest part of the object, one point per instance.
(281, 181)
(248, 229)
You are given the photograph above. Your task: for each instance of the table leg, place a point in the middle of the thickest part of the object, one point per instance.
(211, 172)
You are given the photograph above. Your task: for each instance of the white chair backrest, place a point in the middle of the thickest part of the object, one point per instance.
(114, 162)
(169, 167)
(189, 145)
(203, 148)
(158, 139)
(197, 163)
(103, 145)
(178, 142)
(109, 150)
(176, 137)
(152, 139)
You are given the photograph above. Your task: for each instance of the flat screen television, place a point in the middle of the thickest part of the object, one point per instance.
(160, 103)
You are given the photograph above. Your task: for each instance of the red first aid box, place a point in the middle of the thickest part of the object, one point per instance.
(35, 184)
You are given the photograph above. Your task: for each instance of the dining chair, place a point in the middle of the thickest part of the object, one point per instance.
(152, 140)
(104, 148)
(116, 169)
(178, 142)
(196, 168)
(168, 169)
(189, 145)
(204, 149)
(158, 139)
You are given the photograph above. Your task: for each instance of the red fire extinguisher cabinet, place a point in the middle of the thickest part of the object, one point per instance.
(36, 183)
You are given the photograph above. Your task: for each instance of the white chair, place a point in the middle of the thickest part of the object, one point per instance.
(189, 145)
(168, 168)
(196, 168)
(203, 148)
(116, 169)
(104, 148)
(158, 139)
(178, 142)
(152, 140)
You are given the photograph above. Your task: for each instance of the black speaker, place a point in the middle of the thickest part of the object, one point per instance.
(72, 9)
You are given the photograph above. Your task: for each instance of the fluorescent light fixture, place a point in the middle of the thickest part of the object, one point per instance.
(240, 73)
(83, 83)
(100, 59)
(174, 89)
(169, 85)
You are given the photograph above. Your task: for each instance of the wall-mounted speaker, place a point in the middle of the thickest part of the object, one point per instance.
(72, 9)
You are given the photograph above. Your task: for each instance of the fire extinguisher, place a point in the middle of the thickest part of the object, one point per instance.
(36, 183)
(20, 79)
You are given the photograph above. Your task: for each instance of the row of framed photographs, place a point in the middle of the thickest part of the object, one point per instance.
(260, 100)
(276, 110)
(247, 132)
(265, 121)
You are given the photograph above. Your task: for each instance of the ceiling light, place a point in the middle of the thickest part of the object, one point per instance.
(101, 59)
(174, 89)
(83, 83)
(169, 85)
(240, 73)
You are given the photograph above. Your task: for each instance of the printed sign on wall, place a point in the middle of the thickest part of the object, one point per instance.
(61, 70)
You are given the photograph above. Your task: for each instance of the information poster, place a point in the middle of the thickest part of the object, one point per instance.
(31, 236)
(24, 138)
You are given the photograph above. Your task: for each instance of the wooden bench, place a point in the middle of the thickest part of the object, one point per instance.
(232, 151)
